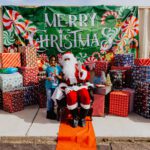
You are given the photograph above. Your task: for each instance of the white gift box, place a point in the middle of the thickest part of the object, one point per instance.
(10, 82)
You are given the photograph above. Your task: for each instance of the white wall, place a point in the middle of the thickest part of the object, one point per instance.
(76, 2)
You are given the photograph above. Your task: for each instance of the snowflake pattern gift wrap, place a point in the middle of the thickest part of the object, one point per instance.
(124, 60)
(142, 99)
(9, 82)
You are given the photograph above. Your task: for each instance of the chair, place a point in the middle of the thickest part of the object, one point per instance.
(62, 106)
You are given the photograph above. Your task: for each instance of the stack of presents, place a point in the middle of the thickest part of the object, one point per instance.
(25, 86)
(122, 87)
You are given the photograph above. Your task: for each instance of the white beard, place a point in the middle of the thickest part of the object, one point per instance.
(69, 69)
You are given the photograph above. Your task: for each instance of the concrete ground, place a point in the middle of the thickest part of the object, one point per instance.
(109, 130)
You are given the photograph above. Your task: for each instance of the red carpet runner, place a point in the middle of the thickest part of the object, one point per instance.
(80, 138)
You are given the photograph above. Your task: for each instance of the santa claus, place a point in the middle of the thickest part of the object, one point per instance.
(76, 91)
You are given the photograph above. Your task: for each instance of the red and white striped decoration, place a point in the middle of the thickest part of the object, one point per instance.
(13, 20)
(90, 62)
(106, 14)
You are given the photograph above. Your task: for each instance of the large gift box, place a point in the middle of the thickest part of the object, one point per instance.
(9, 82)
(13, 101)
(30, 96)
(140, 73)
(127, 74)
(10, 60)
(142, 99)
(28, 56)
(30, 75)
(142, 61)
(98, 105)
(124, 60)
(119, 103)
(41, 94)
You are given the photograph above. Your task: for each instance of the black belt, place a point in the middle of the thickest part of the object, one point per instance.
(78, 84)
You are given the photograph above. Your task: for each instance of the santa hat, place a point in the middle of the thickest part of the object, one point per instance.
(70, 56)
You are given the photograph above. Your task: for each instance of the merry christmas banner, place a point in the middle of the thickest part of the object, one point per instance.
(82, 30)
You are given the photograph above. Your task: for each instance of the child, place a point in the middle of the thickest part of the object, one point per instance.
(53, 72)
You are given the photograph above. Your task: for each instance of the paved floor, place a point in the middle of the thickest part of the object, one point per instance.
(32, 122)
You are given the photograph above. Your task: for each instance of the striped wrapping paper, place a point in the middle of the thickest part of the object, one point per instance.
(119, 103)
(29, 75)
(142, 99)
(28, 56)
(10, 82)
(142, 61)
(13, 101)
(10, 60)
(124, 60)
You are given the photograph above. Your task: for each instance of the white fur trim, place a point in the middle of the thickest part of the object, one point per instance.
(84, 75)
(71, 107)
(85, 106)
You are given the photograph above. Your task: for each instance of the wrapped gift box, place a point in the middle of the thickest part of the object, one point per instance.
(41, 91)
(142, 99)
(10, 60)
(30, 75)
(127, 72)
(98, 105)
(117, 78)
(119, 103)
(1, 100)
(140, 73)
(13, 101)
(142, 61)
(9, 82)
(103, 90)
(30, 96)
(124, 60)
(28, 56)
(132, 93)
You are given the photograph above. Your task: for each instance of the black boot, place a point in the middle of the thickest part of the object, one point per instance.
(83, 114)
(75, 120)
(51, 115)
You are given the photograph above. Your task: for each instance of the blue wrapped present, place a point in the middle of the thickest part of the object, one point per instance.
(124, 59)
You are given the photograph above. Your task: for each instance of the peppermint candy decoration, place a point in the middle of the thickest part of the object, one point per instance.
(90, 62)
(131, 27)
(8, 38)
(29, 28)
(106, 14)
(13, 21)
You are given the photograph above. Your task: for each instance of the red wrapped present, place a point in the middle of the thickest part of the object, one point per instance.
(100, 65)
(142, 61)
(13, 101)
(119, 103)
(30, 75)
(98, 105)
(10, 60)
(28, 56)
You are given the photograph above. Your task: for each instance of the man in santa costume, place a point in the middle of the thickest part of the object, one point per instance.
(76, 76)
